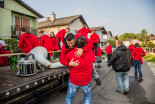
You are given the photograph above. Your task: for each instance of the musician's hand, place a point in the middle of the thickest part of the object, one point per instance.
(79, 52)
(75, 63)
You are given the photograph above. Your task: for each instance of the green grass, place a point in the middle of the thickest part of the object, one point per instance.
(104, 55)
(149, 58)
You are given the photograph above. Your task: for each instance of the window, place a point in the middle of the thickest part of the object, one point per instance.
(2, 3)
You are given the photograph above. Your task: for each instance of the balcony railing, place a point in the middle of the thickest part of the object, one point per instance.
(16, 30)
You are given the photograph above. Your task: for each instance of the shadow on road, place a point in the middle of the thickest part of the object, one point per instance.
(137, 93)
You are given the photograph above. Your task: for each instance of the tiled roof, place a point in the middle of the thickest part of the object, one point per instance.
(60, 21)
(96, 28)
(152, 38)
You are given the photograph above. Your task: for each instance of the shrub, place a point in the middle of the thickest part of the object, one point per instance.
(142, 45)
(150, 44)
(13, 43)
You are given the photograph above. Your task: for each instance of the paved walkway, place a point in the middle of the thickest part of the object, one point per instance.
(140, 92)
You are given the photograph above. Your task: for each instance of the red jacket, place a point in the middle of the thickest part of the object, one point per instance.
(35, 41)
(94, 38)
(55, 43)
(46, 42)
(81, 74)
(109, 49)
(64, 50)
(61, 34)
(99, 52)
(138, 53)
(3, 60)
(25, 42)
(131, 47)
(84, 31)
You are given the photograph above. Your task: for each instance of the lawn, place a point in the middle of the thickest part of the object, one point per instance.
(149, 58)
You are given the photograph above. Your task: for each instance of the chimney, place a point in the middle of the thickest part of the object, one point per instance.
(53, 16)
(47, 18)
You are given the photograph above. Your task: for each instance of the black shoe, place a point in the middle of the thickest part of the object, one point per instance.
(98, 81)
(119, 91)
(126, 92)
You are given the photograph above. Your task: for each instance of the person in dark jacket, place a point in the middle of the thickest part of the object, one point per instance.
(121, 63)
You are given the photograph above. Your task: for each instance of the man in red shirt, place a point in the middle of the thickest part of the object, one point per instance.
(61, 35)
(131, 46)
(108, 51)
(95, 39)
(25, 41)
(80, 76)
(69, 44)
(84, 31)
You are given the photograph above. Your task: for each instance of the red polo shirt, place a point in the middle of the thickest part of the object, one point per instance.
(138, 53)
(108, 49)
(94, 38)
(84, 31)
(81, 74)
(131, 47)
(61, 34)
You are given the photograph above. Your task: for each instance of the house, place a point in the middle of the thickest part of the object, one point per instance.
(114, 37)
(107, 36)
(100, 31)
(56, 24)
(152, 39)
(126, 42)
(15, 14)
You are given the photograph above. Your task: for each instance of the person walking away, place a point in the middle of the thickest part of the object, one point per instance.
(61, 35)
(108, 51)
(95, 39)
(131, 47)
(84, 31)
(80, 76)
(137, 55)
(69, 44)
(121, 63)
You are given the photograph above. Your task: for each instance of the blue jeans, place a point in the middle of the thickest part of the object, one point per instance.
(99, 63)
(72, 89)
(137, 65)
(122, 78)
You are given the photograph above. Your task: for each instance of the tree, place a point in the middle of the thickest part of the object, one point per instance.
(111, 42)
(127, 36)
(143, 36)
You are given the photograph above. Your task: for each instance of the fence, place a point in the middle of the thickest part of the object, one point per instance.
(149, 50)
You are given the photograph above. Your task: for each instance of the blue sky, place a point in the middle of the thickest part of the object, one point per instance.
(118, 16)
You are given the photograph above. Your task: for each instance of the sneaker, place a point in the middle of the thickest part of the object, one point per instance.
(120, 91)
(126, 92)
(140, 79)
(98, 81)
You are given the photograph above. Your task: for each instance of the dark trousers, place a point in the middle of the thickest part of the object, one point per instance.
(59, 45)
(109, 56)
(95, 47)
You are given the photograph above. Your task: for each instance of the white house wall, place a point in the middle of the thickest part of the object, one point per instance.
(75, 26)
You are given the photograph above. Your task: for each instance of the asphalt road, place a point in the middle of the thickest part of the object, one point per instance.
(140, 92)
